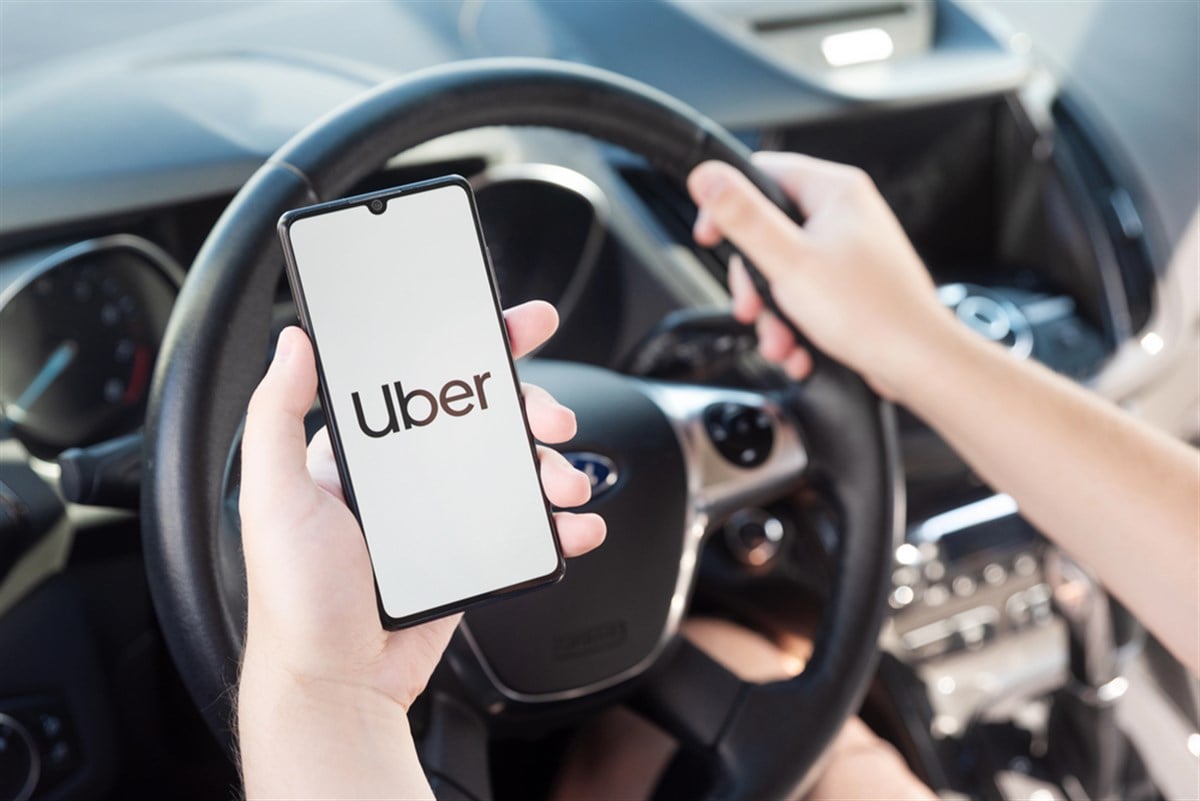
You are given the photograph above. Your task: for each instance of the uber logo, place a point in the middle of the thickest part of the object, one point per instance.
(456, 399)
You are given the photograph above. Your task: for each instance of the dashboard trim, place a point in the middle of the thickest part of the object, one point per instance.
(571, 181)
(158, 257)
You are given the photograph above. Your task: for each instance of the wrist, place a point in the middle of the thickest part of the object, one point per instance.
(946, 356)
(300, 737)
(266, 681)
(917, 355)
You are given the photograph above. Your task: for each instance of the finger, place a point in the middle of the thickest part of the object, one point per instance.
(746, 217)
(798, 364)
(564, 485)
(322, 466)
(579, 533)
(549, 420)
(273, 442)
(775, 340)
(705, 231)
(529, 326)
(747, 305)
(809, 181)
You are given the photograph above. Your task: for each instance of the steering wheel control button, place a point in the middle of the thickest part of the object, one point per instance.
(20, 764)
(754, 536)
(742, 434)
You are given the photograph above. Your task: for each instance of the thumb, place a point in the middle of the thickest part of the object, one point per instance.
(745, 217)
(274, 445)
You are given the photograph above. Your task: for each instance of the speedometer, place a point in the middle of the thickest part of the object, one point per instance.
(79, 333)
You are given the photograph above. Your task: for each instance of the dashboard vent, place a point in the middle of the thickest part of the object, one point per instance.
(820, 35)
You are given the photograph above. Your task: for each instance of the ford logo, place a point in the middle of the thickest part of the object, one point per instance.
(600, 470)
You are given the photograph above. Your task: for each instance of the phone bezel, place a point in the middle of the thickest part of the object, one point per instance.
(297, 287)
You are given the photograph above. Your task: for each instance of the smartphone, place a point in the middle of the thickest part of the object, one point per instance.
(424, 409)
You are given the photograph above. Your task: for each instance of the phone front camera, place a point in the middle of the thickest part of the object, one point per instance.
(377, 206)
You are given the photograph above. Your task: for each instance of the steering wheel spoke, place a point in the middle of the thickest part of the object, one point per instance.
(692, 697)
(453, 750)
(741, 448)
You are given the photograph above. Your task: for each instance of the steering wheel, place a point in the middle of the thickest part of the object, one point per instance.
(611, 627)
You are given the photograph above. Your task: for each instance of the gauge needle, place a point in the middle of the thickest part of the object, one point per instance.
(58, 362)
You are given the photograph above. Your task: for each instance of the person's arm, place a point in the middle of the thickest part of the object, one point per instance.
(1119, 495)
(1108, 488)
(300, 739)
(324, 691)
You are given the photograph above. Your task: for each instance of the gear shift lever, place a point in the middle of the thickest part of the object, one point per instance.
(1081, 601)
(1083, 725)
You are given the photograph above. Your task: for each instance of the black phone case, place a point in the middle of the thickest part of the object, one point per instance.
(285, 222)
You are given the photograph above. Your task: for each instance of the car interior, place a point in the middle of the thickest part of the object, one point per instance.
(1042, 160)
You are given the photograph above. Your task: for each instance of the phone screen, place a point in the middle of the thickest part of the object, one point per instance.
(422, 398)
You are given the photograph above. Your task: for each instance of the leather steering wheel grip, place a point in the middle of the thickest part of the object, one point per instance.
(217, 340)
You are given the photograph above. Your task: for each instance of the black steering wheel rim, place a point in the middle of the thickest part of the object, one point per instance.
(215, 347)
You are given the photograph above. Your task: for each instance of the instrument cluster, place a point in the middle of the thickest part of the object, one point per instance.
(80, 329)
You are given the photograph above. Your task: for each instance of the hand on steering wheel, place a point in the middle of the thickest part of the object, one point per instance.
(311, 607)
(849, 278)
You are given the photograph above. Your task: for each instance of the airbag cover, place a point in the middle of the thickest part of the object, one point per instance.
(608, 618)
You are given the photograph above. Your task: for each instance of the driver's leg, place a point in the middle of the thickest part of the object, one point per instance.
(618, 756)
(861, 765)
(621, 756)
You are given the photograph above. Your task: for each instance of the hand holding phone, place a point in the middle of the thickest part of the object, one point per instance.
(316, 658)
(311, 603)
(396, 293)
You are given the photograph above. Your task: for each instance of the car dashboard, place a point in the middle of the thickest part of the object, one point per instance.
(116, 168)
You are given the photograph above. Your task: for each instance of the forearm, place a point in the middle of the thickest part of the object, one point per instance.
(329, 742)
(1102, 485)
(1109, 489)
